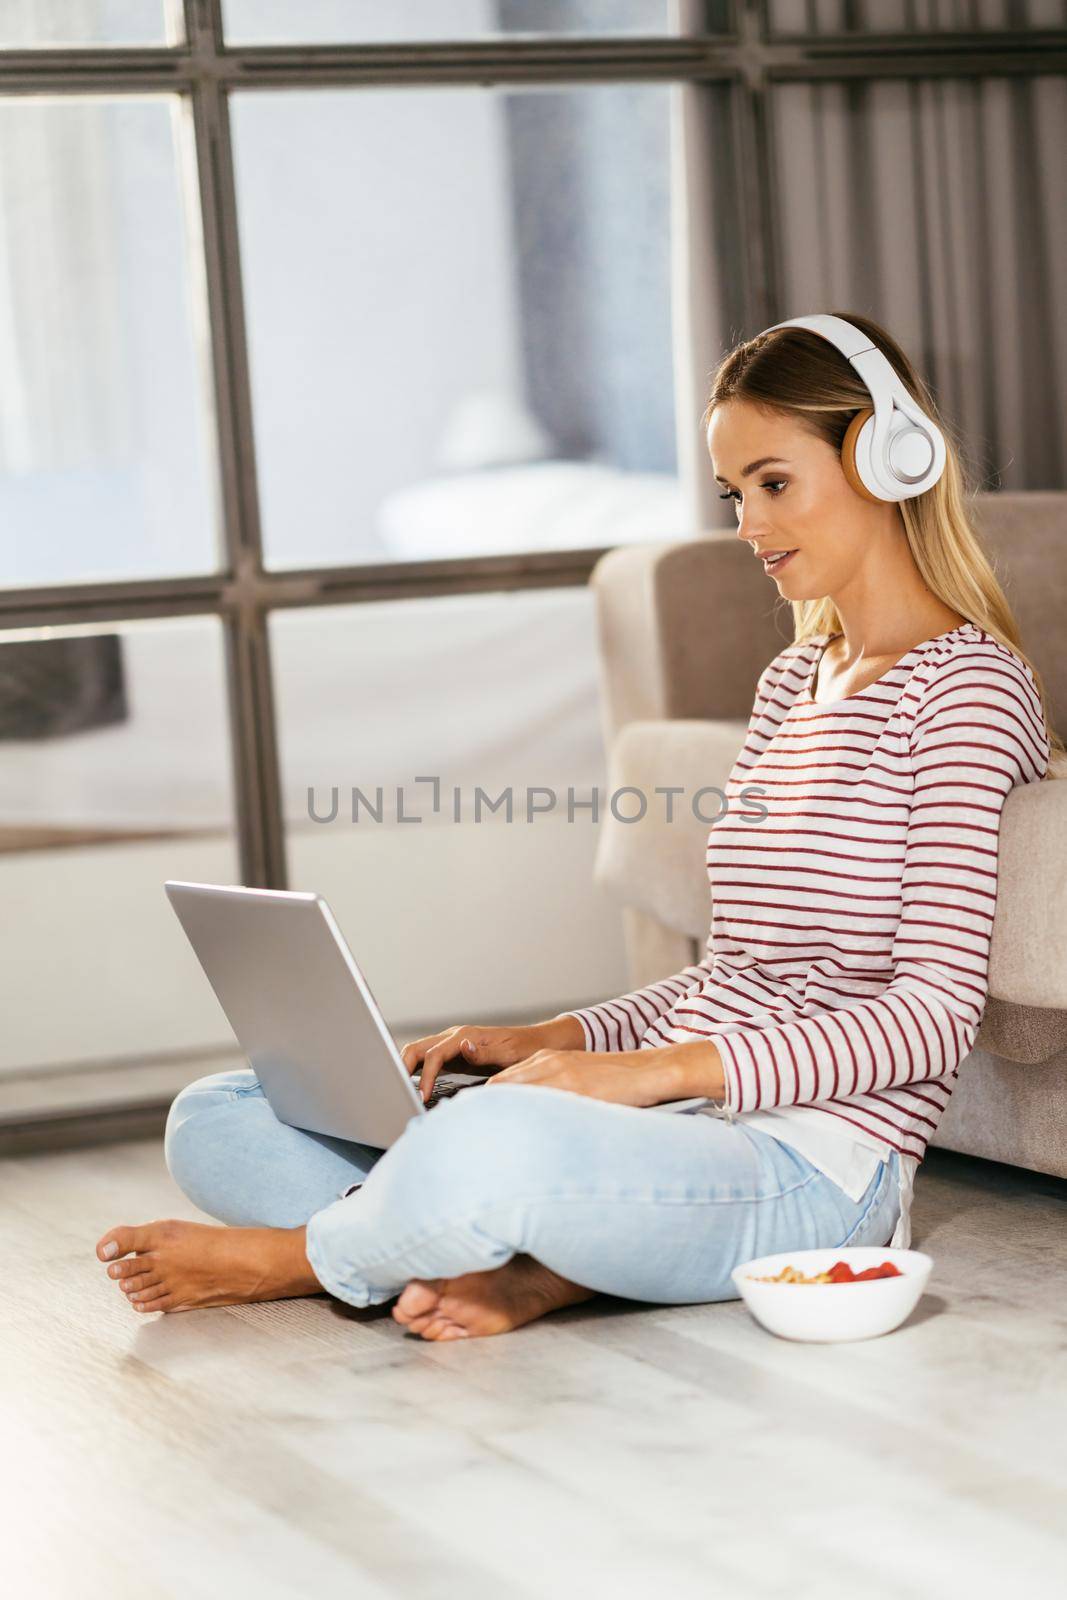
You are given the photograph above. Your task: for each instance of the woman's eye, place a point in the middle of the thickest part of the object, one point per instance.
(776, 486)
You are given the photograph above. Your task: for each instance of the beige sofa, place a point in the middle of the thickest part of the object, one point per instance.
(685, 631)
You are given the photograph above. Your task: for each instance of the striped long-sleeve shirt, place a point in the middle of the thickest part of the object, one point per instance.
(854, 882)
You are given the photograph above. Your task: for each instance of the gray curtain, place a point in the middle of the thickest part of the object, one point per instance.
(936, 206)
(939, 207)
(912, 16)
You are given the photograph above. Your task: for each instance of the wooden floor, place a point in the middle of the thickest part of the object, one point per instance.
(613, 1449)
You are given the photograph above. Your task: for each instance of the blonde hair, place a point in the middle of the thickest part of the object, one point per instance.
(800, 374)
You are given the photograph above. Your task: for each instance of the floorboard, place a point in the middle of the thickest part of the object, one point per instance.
(611, 1449)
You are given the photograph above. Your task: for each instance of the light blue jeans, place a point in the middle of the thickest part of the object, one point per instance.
(653, 1206)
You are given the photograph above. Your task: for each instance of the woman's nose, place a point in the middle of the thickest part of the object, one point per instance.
(748, 527)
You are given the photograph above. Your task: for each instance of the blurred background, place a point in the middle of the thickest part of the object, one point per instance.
(338, 340)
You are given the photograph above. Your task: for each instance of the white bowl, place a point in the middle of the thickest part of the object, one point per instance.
(826, 1312)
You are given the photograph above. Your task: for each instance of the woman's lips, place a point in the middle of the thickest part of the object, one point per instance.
(776, 566)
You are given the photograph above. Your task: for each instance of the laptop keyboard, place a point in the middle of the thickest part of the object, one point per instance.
(445, 1091)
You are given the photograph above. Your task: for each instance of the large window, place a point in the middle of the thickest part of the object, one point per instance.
(440, 762)
(339, 340)
(335, 21)
(459, 319)
(107, 434)
(117, 775)
(33, 24)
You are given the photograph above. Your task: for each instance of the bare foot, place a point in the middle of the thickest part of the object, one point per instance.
(177, 1266)
(480, 1303)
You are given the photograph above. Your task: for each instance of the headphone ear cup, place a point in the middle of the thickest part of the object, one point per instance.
(849, 446)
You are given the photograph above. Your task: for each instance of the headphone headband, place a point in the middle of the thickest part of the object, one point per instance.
(892, 451)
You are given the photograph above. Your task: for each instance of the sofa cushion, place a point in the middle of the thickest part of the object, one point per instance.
(656, 865)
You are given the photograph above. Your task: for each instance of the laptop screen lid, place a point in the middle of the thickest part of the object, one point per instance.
(301, 1009)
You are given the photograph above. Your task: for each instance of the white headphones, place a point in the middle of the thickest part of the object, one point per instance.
(895, 451)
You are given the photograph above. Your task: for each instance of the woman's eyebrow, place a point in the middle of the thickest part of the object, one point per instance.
(754, 466)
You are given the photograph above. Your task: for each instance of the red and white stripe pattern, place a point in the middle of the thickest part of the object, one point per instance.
(846, 965)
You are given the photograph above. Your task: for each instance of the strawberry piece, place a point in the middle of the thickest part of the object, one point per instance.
(886, 1270)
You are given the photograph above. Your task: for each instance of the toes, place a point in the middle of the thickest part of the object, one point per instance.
(152, 1298)
(419, 1324)
(401, 1311)
(137, 1286)
(166, 1302)
(442, 1327)
(420, 1297)
(120, 1241)
(480, 1318)
(133, 1265)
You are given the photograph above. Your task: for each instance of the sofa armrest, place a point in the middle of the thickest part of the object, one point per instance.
(684, 629)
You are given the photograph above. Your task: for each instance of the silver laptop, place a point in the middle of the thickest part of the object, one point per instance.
(304, 1014)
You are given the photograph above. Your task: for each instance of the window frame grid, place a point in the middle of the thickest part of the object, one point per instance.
(744, 59)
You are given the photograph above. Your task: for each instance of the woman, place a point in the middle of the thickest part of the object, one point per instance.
(845, 972)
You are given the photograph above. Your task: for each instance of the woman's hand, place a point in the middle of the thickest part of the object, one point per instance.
(485, 1049)
(628, 1077)
(692, 1070)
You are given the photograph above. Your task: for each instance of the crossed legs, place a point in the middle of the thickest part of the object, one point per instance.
(498, 1206)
